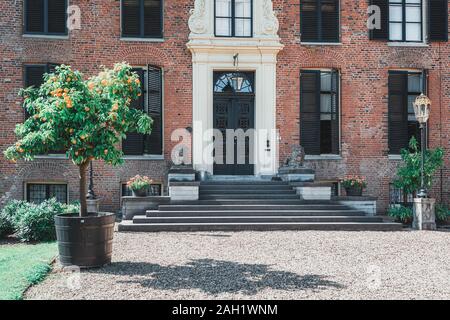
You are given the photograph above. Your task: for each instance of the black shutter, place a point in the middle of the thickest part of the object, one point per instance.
(309, 20)
(57, 16)
(335, 112)
(51, 67)
(34, 16)
(133, 145)
(398, 111)
(33, 77)
(383, 33)
(154, 141)
(310, 111)
(330, 21)
(438, 20)
(131, 18)
(153, 18)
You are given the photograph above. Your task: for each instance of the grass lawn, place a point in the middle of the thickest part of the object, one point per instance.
(22, 265)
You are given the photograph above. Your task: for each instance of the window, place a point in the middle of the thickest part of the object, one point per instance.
(142, 18)
(46, 17)
(411, 20)
(319, 20)
(404, 87)
(150, 102)
(319, 111)
(34, 74)
(233, 18)
(38, 193)
(153, 190)
(405, 20)
(398, 197)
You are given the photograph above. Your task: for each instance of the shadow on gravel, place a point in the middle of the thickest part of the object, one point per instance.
(215, 277)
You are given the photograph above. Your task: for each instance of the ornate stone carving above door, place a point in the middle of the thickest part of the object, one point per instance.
(270, 24)
(197, 20)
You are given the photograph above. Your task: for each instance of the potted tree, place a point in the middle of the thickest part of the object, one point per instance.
(139, 185)
(87, 118)
(354, 185)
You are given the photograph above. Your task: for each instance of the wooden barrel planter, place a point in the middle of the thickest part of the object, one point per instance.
(85, 241)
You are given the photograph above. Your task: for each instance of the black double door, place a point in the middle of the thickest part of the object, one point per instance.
(234, 111)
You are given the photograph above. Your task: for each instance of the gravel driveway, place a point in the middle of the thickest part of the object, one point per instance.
(264, 265)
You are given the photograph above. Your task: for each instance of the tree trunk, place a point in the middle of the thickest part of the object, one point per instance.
(83, 204)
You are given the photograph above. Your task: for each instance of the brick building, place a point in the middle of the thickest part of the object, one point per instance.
(309, 68)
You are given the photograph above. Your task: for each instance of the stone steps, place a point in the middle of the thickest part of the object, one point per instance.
(252, 219)
(218, 196)
(243, 212)
(272, 226)
(254, 205)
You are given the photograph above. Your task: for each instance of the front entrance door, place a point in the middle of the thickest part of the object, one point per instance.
(234, 108)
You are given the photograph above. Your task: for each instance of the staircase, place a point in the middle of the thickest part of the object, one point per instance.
(253, 205)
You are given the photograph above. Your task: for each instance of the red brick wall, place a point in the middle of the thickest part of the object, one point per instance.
(363, 65)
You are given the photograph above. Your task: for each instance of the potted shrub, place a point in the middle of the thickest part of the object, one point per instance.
(139, 185)
(88, 118)
(354, 185)
(401, 214)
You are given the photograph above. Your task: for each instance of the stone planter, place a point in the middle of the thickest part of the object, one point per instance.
(139, 193)
(132, 206)
(355, 191)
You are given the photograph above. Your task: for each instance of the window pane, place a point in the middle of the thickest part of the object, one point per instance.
(243, 8)
(36, 193)
(411, 99)
(395, 13)
(415, 83)
(243, 27)
(223, 8)
(223, 26)
(413, 14)
(413, 32)
(325, 105)
(325, 81)
(58, 191)
(395, 31)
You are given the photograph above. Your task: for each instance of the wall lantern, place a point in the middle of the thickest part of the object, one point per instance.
(236, 79)
(422, 107)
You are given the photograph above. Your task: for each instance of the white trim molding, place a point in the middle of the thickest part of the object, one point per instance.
(257, 54)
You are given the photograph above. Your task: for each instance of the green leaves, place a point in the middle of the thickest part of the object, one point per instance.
(409, 174)
(86, 118)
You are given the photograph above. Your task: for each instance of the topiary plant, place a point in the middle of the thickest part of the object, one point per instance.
(409, 174)
(86, 118)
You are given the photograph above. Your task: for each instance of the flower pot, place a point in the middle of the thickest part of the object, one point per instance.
(85, 241)
(355, 191)
(139, 193)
